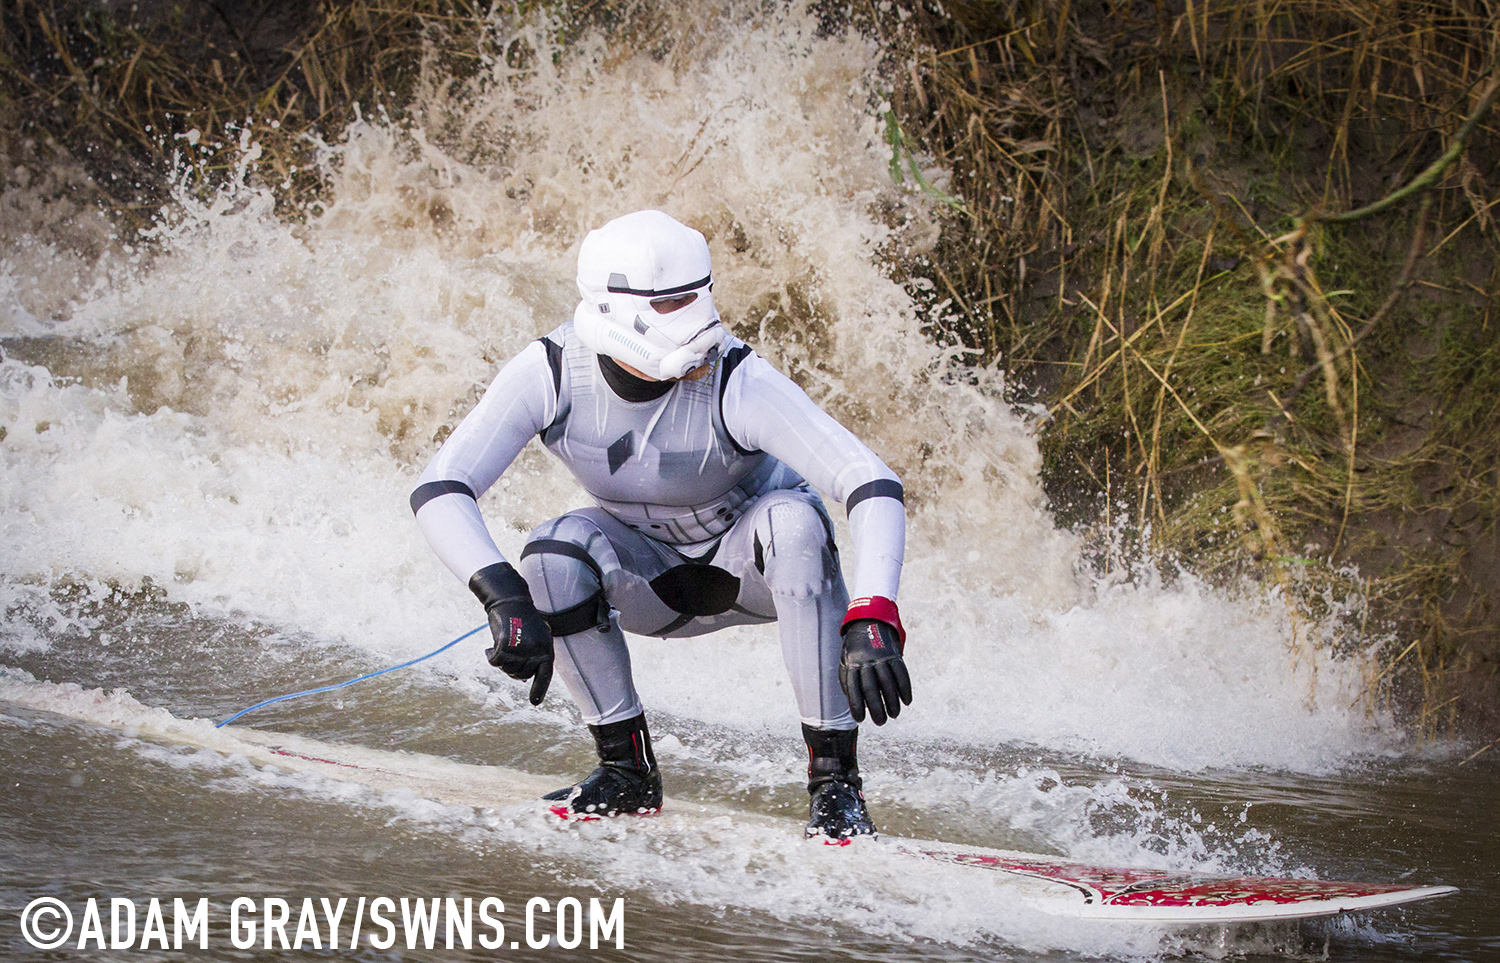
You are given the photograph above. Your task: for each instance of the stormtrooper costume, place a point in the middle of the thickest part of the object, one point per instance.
(701, 460)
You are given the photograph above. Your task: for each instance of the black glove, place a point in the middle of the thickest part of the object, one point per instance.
(523, 643)
(871, 670)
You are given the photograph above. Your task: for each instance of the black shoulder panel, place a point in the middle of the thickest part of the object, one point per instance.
(731, 361)
(554, 361)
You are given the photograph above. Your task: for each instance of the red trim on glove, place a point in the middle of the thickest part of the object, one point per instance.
(881, 610)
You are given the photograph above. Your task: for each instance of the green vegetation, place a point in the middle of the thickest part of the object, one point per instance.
(1145, 224)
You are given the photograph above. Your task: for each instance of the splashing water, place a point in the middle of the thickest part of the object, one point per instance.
(236, 407)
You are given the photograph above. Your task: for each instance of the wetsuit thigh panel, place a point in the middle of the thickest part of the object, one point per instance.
(572, 564)
(794, 566)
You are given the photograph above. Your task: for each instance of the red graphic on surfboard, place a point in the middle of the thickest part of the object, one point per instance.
(1149, 893)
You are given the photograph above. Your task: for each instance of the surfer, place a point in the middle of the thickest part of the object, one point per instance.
(701, 459)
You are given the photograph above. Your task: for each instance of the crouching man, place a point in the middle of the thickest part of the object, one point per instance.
(701, 460)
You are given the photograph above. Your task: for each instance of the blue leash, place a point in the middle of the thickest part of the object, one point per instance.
(340, 685)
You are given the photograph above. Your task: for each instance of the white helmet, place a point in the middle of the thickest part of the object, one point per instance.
(646, 285)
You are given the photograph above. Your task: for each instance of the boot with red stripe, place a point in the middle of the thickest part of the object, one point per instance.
(837, 810)
(626, 782)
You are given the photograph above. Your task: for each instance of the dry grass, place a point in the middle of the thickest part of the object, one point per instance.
(122, 88)
(1161, 200)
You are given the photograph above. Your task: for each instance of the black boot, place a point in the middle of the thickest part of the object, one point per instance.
(838, 806)
(625, 782)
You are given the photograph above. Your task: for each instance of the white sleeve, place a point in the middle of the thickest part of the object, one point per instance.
(765, 410)
(520, 402)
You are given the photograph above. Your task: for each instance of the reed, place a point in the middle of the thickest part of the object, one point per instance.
(123, 87)
(1245, 253)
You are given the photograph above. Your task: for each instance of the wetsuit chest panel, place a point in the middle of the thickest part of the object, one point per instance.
(665, 466)
(664, 452)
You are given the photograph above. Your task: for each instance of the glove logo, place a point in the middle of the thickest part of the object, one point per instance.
(875, 640)
(515, 632)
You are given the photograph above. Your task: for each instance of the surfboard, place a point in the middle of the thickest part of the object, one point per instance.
(1052, 884)
(1161, 895)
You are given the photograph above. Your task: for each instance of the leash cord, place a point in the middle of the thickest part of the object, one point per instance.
(340, 685)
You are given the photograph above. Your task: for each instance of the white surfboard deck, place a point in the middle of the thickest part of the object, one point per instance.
(1053, 884)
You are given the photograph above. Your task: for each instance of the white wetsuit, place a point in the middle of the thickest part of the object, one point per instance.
(704, 514)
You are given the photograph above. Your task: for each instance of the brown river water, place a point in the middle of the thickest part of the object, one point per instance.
(92, 809)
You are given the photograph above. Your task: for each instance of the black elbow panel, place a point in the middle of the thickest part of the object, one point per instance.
(427, 491)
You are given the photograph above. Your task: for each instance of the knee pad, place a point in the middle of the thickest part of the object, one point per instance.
(794, 548)
(556, 560)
